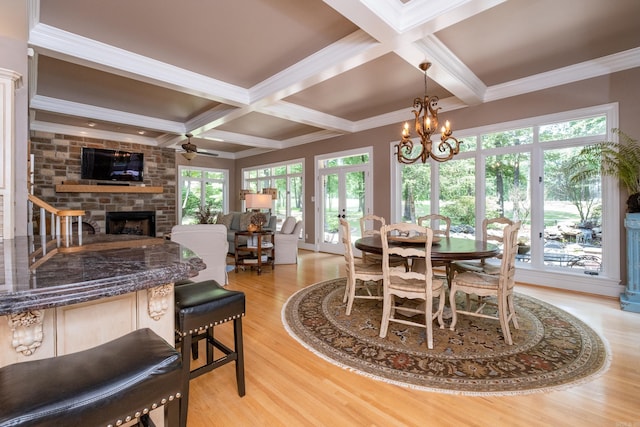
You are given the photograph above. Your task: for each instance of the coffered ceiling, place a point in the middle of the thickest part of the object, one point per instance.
(249, 76)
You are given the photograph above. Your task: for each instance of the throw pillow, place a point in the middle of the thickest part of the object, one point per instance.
(225, 220)
(288, 225)
(245, 220)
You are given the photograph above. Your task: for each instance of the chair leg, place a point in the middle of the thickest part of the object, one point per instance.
(351, 288)
(237, 336)
(346, 290)
(209, 343)
(452, 304)
(186, 377)
(512, 311)
(441, 301)
(504, 319)
(429, 321)
(386, 312)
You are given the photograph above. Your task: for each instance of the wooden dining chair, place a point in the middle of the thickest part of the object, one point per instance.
(360, 275)
(492, 232)
(435, 222)
(485, 285)
(370, 226)
(410, 285)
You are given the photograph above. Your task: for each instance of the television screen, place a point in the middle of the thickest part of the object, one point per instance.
(111, 165)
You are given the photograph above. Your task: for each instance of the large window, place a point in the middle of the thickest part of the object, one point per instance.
(287, 179)
(201, 190)
(520, 170)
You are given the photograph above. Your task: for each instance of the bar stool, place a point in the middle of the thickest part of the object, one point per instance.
(107, 385)
(201, 306)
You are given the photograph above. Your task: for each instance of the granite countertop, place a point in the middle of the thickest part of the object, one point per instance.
(41, 273)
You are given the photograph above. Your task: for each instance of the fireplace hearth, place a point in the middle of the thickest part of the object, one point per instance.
(141, 223)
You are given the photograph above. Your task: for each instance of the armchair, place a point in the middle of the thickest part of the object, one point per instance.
(286, 241)
(209, 242)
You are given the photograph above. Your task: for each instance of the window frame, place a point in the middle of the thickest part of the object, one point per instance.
(258, 178)
(608, 282)
(203, 180)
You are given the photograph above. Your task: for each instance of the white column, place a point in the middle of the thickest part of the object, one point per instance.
(9, 82)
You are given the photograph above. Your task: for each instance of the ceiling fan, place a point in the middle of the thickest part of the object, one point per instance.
(191, 150)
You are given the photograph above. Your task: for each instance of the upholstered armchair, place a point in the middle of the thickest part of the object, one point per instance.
(209, 242)
(286, 241)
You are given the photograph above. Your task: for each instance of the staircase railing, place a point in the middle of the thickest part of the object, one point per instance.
(60, 220)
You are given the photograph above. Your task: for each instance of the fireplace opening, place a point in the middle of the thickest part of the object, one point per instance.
(141, 223)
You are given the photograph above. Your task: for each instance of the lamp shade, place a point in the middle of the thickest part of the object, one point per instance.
(258, 201)
(189, 155)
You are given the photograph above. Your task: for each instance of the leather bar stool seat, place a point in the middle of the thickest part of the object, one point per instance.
(201, 306)
(108, 385)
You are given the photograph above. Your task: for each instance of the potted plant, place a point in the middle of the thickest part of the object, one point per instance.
(205, 215)
(523, 245)
(620, 159)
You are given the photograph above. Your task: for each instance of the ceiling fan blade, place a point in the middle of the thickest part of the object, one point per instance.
(205, 153)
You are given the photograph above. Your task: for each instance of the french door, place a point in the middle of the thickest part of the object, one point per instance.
(344, 185)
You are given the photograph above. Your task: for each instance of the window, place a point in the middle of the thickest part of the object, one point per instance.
(519, 170)
(201, 189)
(287, 179)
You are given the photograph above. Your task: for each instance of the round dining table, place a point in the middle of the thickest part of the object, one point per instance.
(446, 250)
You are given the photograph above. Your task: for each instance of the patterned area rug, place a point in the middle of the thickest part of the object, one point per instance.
(552, 349)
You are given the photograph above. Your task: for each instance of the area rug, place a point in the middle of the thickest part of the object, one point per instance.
(552, 349)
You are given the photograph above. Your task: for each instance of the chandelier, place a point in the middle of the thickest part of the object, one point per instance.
(426, 123)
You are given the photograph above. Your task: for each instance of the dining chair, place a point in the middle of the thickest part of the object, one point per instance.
(410, 285)
(360, 275)
(435, 221)
(492, 232)
(370, 226)
(376, 223)
(485, 285)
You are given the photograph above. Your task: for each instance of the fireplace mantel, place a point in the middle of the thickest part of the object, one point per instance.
(79, 188)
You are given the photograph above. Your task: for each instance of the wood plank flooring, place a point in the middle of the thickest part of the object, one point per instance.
(287, 385)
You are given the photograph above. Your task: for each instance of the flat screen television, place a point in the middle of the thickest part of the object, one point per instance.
(111, 165)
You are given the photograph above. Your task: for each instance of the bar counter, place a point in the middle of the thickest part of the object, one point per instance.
(59, 296)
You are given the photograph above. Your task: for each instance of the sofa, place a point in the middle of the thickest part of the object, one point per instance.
(286, 241)
(239, 221)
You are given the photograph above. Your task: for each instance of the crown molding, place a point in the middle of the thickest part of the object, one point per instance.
(242, 139)
(307, 116)
(55, 128)
(101, 56)
(351, 51)
(77, 109)
(566, 75)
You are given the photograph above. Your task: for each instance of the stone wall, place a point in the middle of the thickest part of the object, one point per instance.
(57, 161)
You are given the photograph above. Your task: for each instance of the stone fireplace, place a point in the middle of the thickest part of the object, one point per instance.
(141, 223)
(58, 161)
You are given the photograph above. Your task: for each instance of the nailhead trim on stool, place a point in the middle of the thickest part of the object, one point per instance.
(200, 307)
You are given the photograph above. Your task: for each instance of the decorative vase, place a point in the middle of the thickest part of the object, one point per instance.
(252, 227)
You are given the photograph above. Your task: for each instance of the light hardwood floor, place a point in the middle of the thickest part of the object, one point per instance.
(287, 385)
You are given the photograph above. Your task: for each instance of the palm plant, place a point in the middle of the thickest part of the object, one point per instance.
(619, 159)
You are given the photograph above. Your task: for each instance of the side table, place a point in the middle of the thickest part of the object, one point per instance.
(257, 251)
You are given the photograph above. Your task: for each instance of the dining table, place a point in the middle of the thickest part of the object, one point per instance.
(445, 250)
